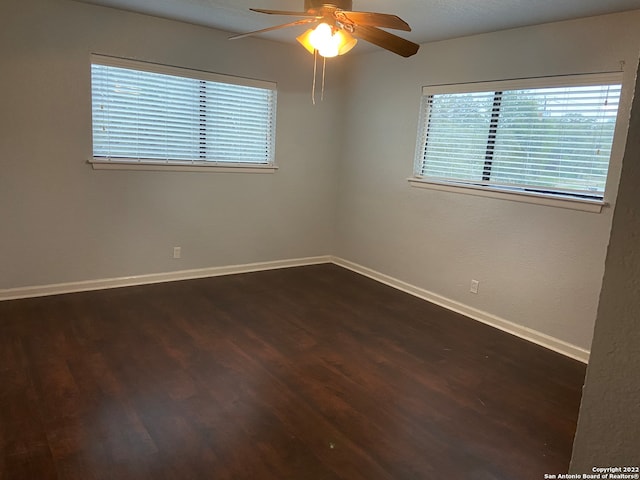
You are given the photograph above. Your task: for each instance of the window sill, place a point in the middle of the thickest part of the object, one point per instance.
(594, 206)
(212, 167)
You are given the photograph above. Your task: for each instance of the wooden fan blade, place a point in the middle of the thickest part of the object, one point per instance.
(373, 19)
(283, 12)
(277, 27)
(386, 40)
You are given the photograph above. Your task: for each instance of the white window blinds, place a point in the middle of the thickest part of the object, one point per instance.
(147, 113)
(553, 139)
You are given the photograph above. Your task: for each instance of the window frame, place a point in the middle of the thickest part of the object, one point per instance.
(119, 163)
(537, 197)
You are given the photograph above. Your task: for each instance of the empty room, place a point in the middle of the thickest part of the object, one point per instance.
(355, 240)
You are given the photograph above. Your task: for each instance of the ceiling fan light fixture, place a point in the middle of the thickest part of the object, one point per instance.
(304, 40)
(324, 40)
(327, 40)
(347, 41)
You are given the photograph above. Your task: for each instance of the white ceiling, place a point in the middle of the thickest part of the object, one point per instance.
(430, 20)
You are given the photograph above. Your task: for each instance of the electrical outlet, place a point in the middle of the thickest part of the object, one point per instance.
(177, 252)
(474, 286)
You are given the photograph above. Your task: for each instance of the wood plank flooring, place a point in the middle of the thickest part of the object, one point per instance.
(304, 373)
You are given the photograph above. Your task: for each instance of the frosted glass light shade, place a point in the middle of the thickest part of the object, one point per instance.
(327, 41)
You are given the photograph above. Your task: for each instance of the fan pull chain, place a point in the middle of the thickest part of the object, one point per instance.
(315, 76)
(324, 68)
(315, 67)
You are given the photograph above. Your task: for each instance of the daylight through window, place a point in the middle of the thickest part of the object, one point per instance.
(152, 114)
(549, 136)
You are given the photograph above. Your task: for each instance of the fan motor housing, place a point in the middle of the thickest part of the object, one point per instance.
(314, 6)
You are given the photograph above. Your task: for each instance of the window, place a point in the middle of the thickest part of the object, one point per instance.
(148, 114)
(545, 137)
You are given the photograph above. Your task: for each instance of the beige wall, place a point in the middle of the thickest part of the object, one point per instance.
(610, 414)
(538, 266)
(61, 221)
(341, 188)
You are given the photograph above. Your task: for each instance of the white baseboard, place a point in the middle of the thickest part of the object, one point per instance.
(88, 285)
(534, 336)
(529, 334)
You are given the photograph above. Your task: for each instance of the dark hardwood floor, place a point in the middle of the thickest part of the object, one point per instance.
(305, 373)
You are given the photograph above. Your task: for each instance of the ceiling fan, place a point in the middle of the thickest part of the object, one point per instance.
(339, 27)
